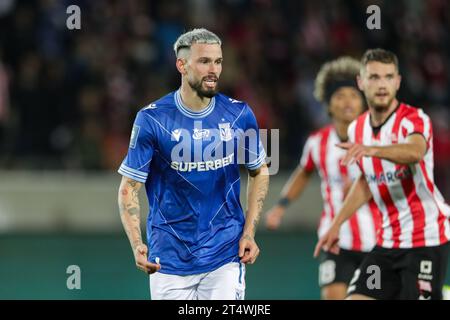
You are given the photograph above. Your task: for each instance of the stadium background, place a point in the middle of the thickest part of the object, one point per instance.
(68, 98)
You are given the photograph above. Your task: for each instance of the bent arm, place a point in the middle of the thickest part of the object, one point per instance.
(410, 152)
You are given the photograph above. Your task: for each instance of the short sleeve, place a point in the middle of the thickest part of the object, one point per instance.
(254, 153)
(136, 164)
(417, 122)
(307, 161)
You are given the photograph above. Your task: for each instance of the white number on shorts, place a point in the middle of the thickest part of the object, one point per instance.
(327, 272)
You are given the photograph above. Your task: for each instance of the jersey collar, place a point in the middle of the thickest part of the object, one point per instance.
(189, 112)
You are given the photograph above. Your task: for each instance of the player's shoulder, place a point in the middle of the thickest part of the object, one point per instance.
(314, 137)
(232, 105)
(223, 98)
(160, 106)
(319, 133)
(351, 130)
(409, 111)
(361, 118)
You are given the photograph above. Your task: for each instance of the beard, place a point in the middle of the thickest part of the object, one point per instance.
(381, 106)
(201, 92)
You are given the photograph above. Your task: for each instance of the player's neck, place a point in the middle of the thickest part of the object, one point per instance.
(341, 129)
(191, 99)
(378, 117)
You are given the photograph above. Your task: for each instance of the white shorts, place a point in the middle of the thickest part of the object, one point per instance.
(224, 283)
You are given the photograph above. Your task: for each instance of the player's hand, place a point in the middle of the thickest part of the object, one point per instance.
(140, 256)
(274, 216)
(355, 152)
(248, 249)
(329, 241)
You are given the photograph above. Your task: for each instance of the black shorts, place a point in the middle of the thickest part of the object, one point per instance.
(339, 268)
(406, 274)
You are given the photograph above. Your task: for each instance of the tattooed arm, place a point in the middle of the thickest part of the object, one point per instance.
(128, 200)
(258, 185)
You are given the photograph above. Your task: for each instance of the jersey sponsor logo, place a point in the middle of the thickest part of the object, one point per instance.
(202, 165)
(225, 131)
(134, 135)
(200, 134)
(389, 176)
(176, 134)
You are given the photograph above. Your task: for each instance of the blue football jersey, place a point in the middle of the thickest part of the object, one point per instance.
(189, 162)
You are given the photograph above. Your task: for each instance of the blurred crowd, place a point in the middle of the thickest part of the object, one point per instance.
(68, 97)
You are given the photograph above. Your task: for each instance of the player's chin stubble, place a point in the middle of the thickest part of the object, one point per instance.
(380, 106)
(202, 93)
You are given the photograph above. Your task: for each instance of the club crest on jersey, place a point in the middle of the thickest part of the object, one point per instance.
(134, 136)
(200, 134)
(225, 131)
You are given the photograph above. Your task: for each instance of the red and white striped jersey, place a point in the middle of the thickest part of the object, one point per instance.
(321, 152)
(414, 213)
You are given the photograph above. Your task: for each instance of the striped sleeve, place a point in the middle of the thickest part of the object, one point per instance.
(307, 161)
(416, 122)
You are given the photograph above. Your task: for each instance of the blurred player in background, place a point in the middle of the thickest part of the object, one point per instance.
(392, 143)
(198, 236)
(335, 87)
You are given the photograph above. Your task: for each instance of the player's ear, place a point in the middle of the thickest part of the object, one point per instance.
(181, 65)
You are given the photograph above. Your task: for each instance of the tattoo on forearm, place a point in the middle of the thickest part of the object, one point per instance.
(255, 223)
(132, 183)
(130, 209)
(134, 212)
(135, 196)
(261, 193)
